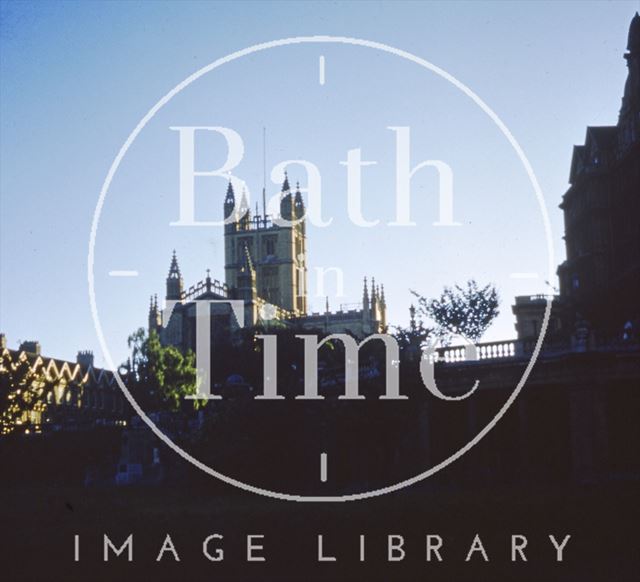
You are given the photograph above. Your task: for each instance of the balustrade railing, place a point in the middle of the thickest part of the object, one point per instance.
(483, 351)
(205, 286)
(524, 348)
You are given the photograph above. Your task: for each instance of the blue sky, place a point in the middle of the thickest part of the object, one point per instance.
(77, 78)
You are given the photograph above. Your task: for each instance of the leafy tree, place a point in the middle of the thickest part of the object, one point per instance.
(413, 338)
(160, 375)
(466, 311)
(23, 393)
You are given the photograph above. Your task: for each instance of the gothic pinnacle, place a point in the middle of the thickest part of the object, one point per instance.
(285, 184)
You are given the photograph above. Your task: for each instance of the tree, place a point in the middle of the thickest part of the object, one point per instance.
(160, 375)
(466, 311)
(413, 338)
(23, 393)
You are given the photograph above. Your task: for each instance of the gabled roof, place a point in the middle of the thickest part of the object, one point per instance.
(601, 138)
(63, 371)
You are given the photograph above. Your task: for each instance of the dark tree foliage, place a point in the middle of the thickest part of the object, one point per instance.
(161, 376)
(467, 311)
(412, 339)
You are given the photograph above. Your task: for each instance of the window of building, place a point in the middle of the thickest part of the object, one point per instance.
(269, 284)
(269, 245)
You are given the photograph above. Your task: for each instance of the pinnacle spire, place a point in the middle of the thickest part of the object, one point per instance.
(247, 263)
(174, 268)
(229, 201)
(244, 211)
(175, 284)
(298, 202)
(286, 200)
(154, 315)
(247, 275)
(365, 296)
(285, 184)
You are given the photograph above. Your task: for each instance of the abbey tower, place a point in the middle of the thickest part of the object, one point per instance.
(265, 268)
(275, 252)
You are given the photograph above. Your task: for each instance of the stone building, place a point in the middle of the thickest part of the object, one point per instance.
(266, 269)
(83, 396)
(600, 279)
(529, 311)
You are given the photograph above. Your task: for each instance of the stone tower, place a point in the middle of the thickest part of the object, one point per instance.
(275, 249)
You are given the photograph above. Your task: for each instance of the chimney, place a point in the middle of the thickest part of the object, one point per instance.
(85, 358)
(31, 347)
(3, 341)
